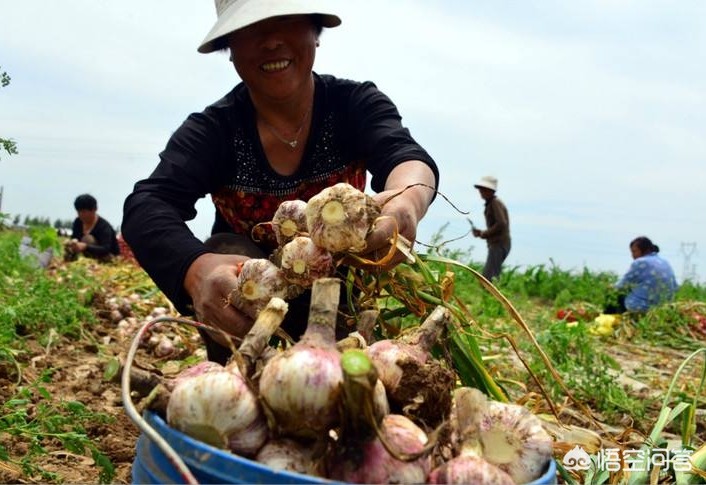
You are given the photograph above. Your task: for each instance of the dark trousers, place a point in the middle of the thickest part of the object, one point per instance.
(497, 253)
(615, 304)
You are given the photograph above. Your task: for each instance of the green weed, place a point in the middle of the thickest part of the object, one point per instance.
(32, 302)
(585, 370)
(38, 419)
(44, 305)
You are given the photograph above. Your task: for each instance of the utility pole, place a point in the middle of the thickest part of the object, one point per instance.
(689, 271)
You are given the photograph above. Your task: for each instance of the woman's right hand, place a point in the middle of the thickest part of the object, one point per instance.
(209, 281)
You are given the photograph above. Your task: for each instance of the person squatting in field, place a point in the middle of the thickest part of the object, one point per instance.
(648, 282)
(91, 235)
(285, 132)
(497, 223)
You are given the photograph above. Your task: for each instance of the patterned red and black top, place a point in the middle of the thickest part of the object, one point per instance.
(355, 129)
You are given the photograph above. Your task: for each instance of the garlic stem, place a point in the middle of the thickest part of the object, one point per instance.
(359, 381)
(256, 340)
(323, 310)
(301, 386)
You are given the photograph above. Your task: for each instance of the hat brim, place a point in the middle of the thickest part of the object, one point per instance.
(483, 186)
(242, 13)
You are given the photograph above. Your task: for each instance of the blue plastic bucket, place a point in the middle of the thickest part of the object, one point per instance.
(207, 463)
(549, 476)
(212, 465)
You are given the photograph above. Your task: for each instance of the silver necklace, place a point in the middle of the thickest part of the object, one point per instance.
(292, 143)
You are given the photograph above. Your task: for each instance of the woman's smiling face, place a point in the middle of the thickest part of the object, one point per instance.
(274, 57)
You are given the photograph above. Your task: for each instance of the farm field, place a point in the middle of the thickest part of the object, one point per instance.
(65, 331)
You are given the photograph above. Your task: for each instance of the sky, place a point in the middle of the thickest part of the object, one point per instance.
(591, 114)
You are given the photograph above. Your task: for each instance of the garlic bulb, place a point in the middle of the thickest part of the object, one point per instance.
(218, 408)
(339, 218)
(288, 455)
(301, 386)
(289, 221)
(416, 384)
(361, 456)
(469, 469)
(259, 280)
(303, 262)
(376, 465)
(508, 436)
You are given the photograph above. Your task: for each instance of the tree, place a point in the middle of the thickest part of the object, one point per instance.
(8, 144)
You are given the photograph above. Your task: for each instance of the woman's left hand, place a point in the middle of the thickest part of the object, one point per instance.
(397, 221)
(407, 195)
(78, 246)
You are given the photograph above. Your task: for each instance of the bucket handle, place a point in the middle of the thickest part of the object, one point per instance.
(132, 412)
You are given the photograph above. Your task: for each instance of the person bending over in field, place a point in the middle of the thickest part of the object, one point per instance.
(283, 133)
(91, 235)
(648, 282)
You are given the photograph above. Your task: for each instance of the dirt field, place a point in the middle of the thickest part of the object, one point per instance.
(80, 375)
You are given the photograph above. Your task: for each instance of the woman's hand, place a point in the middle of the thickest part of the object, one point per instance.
(78, 246)
(209, 281)
(407, 195)
(397, 219)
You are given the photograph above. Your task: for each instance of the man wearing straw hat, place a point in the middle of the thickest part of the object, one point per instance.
(497, 223)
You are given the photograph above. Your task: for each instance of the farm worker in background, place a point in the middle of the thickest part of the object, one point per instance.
(497, 223)
(648, 282)
(283, 133)
(91, 235)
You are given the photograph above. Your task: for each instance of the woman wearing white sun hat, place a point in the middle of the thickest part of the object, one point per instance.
(283, 133)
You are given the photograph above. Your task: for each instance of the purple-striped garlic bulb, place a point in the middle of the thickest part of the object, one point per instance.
(340, 217)
(259, 280)
(469, 468)
(417, 385)
(215, 404)
(218, 408)
(285, 454)
(301, 386)
(377, 465)
(507, 436)
(289, 221)
(374, 447)
(303, 262)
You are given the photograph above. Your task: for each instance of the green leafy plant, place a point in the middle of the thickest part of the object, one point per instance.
(45, 237)
(8, 145)
(33, 302)
(33, 415)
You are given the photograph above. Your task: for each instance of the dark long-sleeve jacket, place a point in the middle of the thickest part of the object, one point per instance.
(103, 233)
(355, 129)
(497, 222)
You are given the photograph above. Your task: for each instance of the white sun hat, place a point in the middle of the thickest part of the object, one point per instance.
(236, 14)
(488, 182)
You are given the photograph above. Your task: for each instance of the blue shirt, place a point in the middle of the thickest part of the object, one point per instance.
(650, 281)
